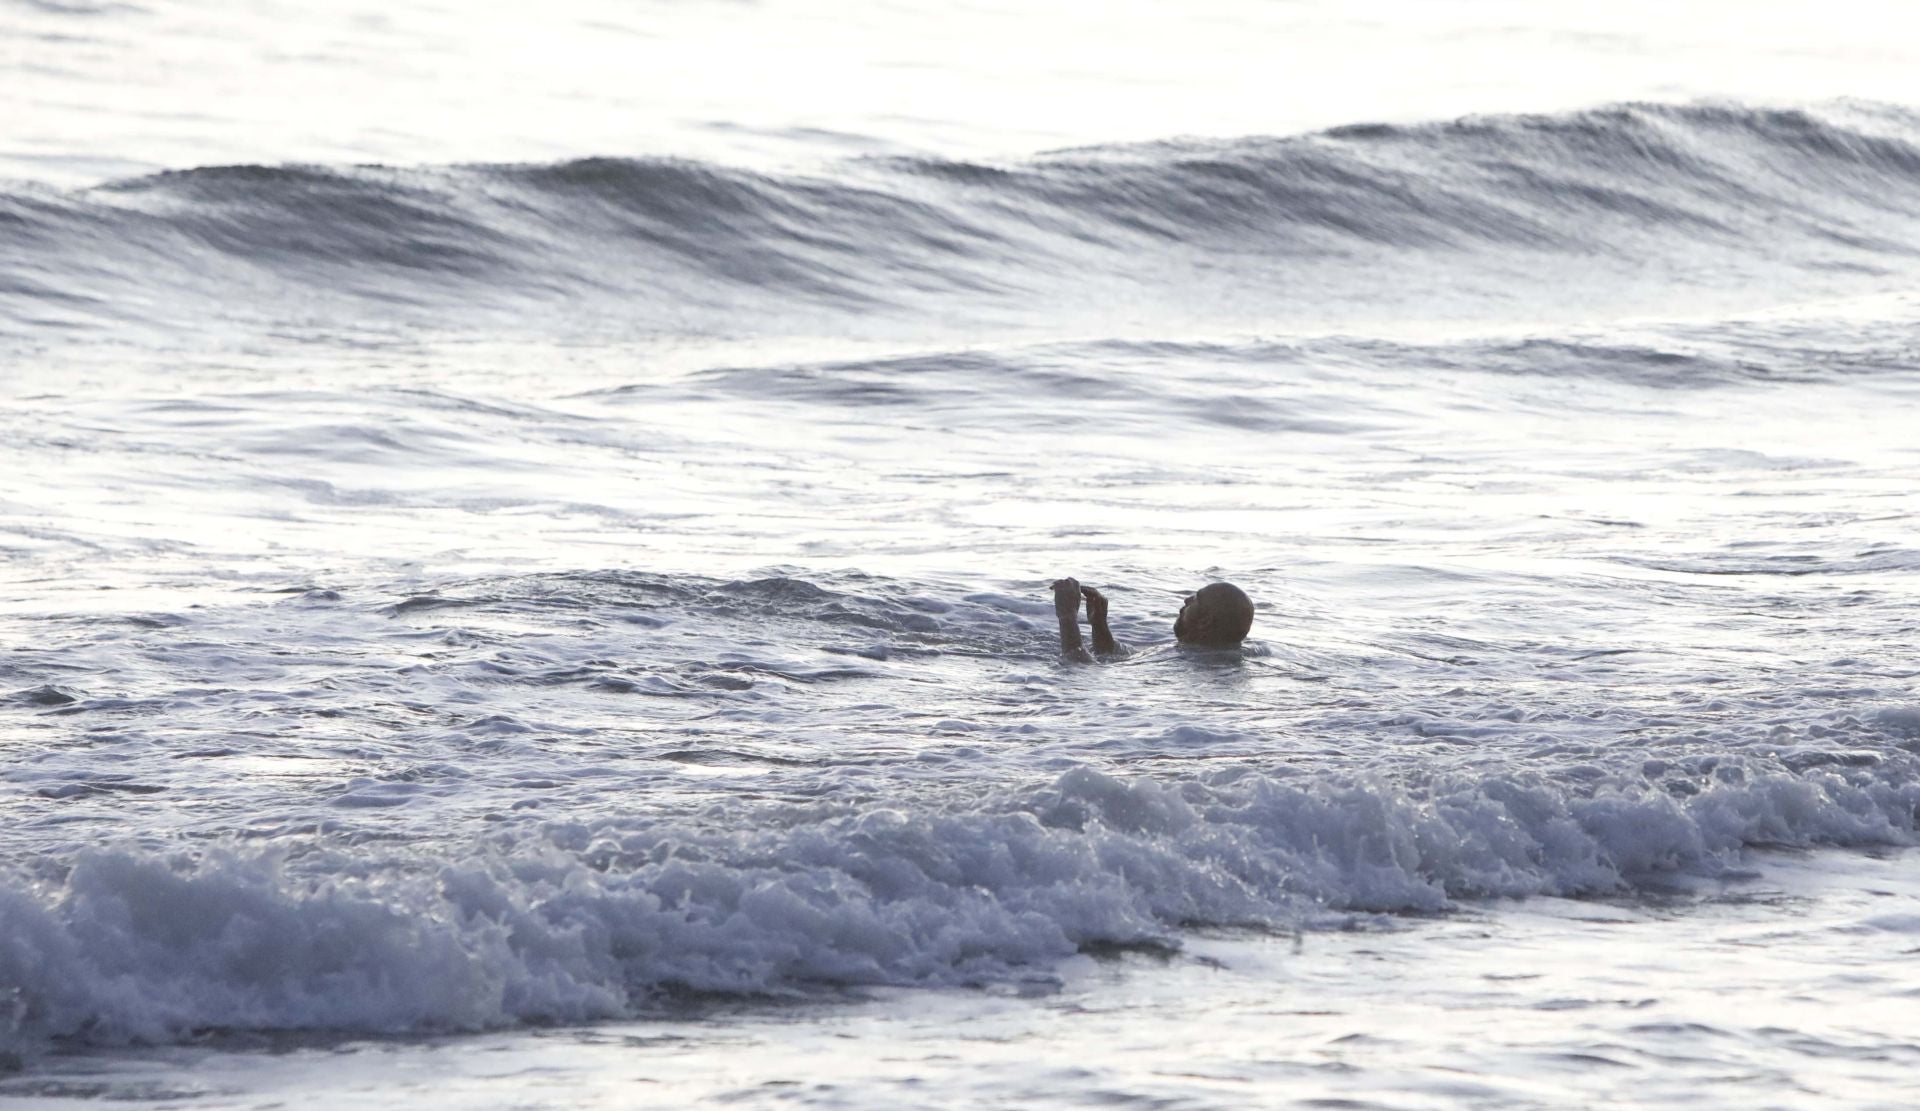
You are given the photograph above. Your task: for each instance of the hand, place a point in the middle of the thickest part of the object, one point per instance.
(1066, 598)
(1096, 604)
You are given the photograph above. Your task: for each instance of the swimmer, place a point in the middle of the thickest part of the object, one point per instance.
(1217, 615)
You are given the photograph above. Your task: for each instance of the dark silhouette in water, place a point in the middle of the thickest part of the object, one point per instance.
(1217, 615)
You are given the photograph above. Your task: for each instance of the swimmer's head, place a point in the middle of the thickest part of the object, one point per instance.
(1218, 615)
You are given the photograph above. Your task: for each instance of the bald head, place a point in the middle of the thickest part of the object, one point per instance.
(1217, 616)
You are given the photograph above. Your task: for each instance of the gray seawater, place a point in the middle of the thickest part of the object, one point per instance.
(542, 600)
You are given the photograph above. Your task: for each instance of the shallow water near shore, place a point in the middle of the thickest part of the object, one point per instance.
(562, 617)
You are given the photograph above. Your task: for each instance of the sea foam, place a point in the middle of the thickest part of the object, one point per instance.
(567, 922)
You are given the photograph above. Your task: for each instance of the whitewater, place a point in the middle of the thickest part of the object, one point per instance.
(527, 549)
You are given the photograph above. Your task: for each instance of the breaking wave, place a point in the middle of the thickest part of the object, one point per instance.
(592, 920)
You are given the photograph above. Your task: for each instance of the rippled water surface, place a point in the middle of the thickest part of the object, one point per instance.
(560, 615)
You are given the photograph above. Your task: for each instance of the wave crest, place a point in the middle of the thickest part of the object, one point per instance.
(1635, 201)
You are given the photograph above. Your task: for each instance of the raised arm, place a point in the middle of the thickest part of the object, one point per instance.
(1103, 642)
(1066, 604)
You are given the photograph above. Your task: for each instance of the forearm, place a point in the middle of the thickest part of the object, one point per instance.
(1102, 635)
(1070, 634)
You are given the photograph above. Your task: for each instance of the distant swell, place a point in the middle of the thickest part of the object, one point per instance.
(1640, 205)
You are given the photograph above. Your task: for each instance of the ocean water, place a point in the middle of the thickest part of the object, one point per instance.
(526, 543)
